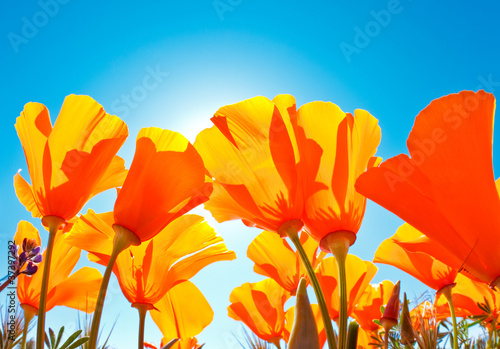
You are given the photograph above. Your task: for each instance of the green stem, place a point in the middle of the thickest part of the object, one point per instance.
(122, 240)
(446, 291)
(339, 246)
(291, 232)
(386, 338)
(53, 222)
(494, 334)
(29, 314)
(142, 322)
(9, 280)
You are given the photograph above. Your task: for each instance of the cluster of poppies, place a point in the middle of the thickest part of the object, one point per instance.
(301, 175)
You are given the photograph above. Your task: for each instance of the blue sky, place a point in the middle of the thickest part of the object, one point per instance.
(388, 57)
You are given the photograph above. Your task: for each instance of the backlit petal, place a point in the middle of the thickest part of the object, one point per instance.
(420, 265)
(78, 291)
(347, 146)
(183, 312)
(359, 273)
(447, 182)
(165, 180)
(369, 304)
(260, 307)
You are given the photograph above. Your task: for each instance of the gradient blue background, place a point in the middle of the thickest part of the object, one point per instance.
(214, 53)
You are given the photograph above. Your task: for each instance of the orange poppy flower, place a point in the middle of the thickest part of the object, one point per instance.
(359, 274)
(146, 272)
(252, 154)
(182, 313)
(78, 290)
(436, 190)
(72, 161)
(166, 179)
(466, 296)
(347, 145)
(289, 318)
(420, 265)
(368, 306)
(260, 306)
(275, 258)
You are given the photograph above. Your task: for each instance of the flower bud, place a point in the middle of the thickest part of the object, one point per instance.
(304, 331)
(37, 259)
(30, 269)
(35, 251)
(391, 313)
(407, 332)
(23, 258)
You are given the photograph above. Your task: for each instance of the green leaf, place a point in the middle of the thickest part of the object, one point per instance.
(59, 336)
(52, 338)
(78, 342)
(46, 340)
(70, 339)
(169, 344)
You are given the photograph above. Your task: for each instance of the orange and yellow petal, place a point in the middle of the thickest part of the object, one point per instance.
(166, 179)
(274, 258)
(250, 153)
(93, 232)
(346, 144)
(260, 306)
(182, 313)
(359, 273)
(436, 189)
(78, 291)
(67, 162)
(420, 265)
(369, 304)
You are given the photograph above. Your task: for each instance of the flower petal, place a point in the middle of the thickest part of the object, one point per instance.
(149, 200)
(359, 273)
(260, 306)
(78, 291)
(183, 312)
(420, 265)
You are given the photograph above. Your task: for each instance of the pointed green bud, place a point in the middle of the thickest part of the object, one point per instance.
(407, 332)
(391, 312)
(304, 331)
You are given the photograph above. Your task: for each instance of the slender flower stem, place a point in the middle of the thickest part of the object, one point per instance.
(446, 291)
(29, 314)
(291, 231)
(54, 223)
(9, 280)
(494, 326)
(339, 246)
(143, 309)
(386, 337)
(123, 239)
